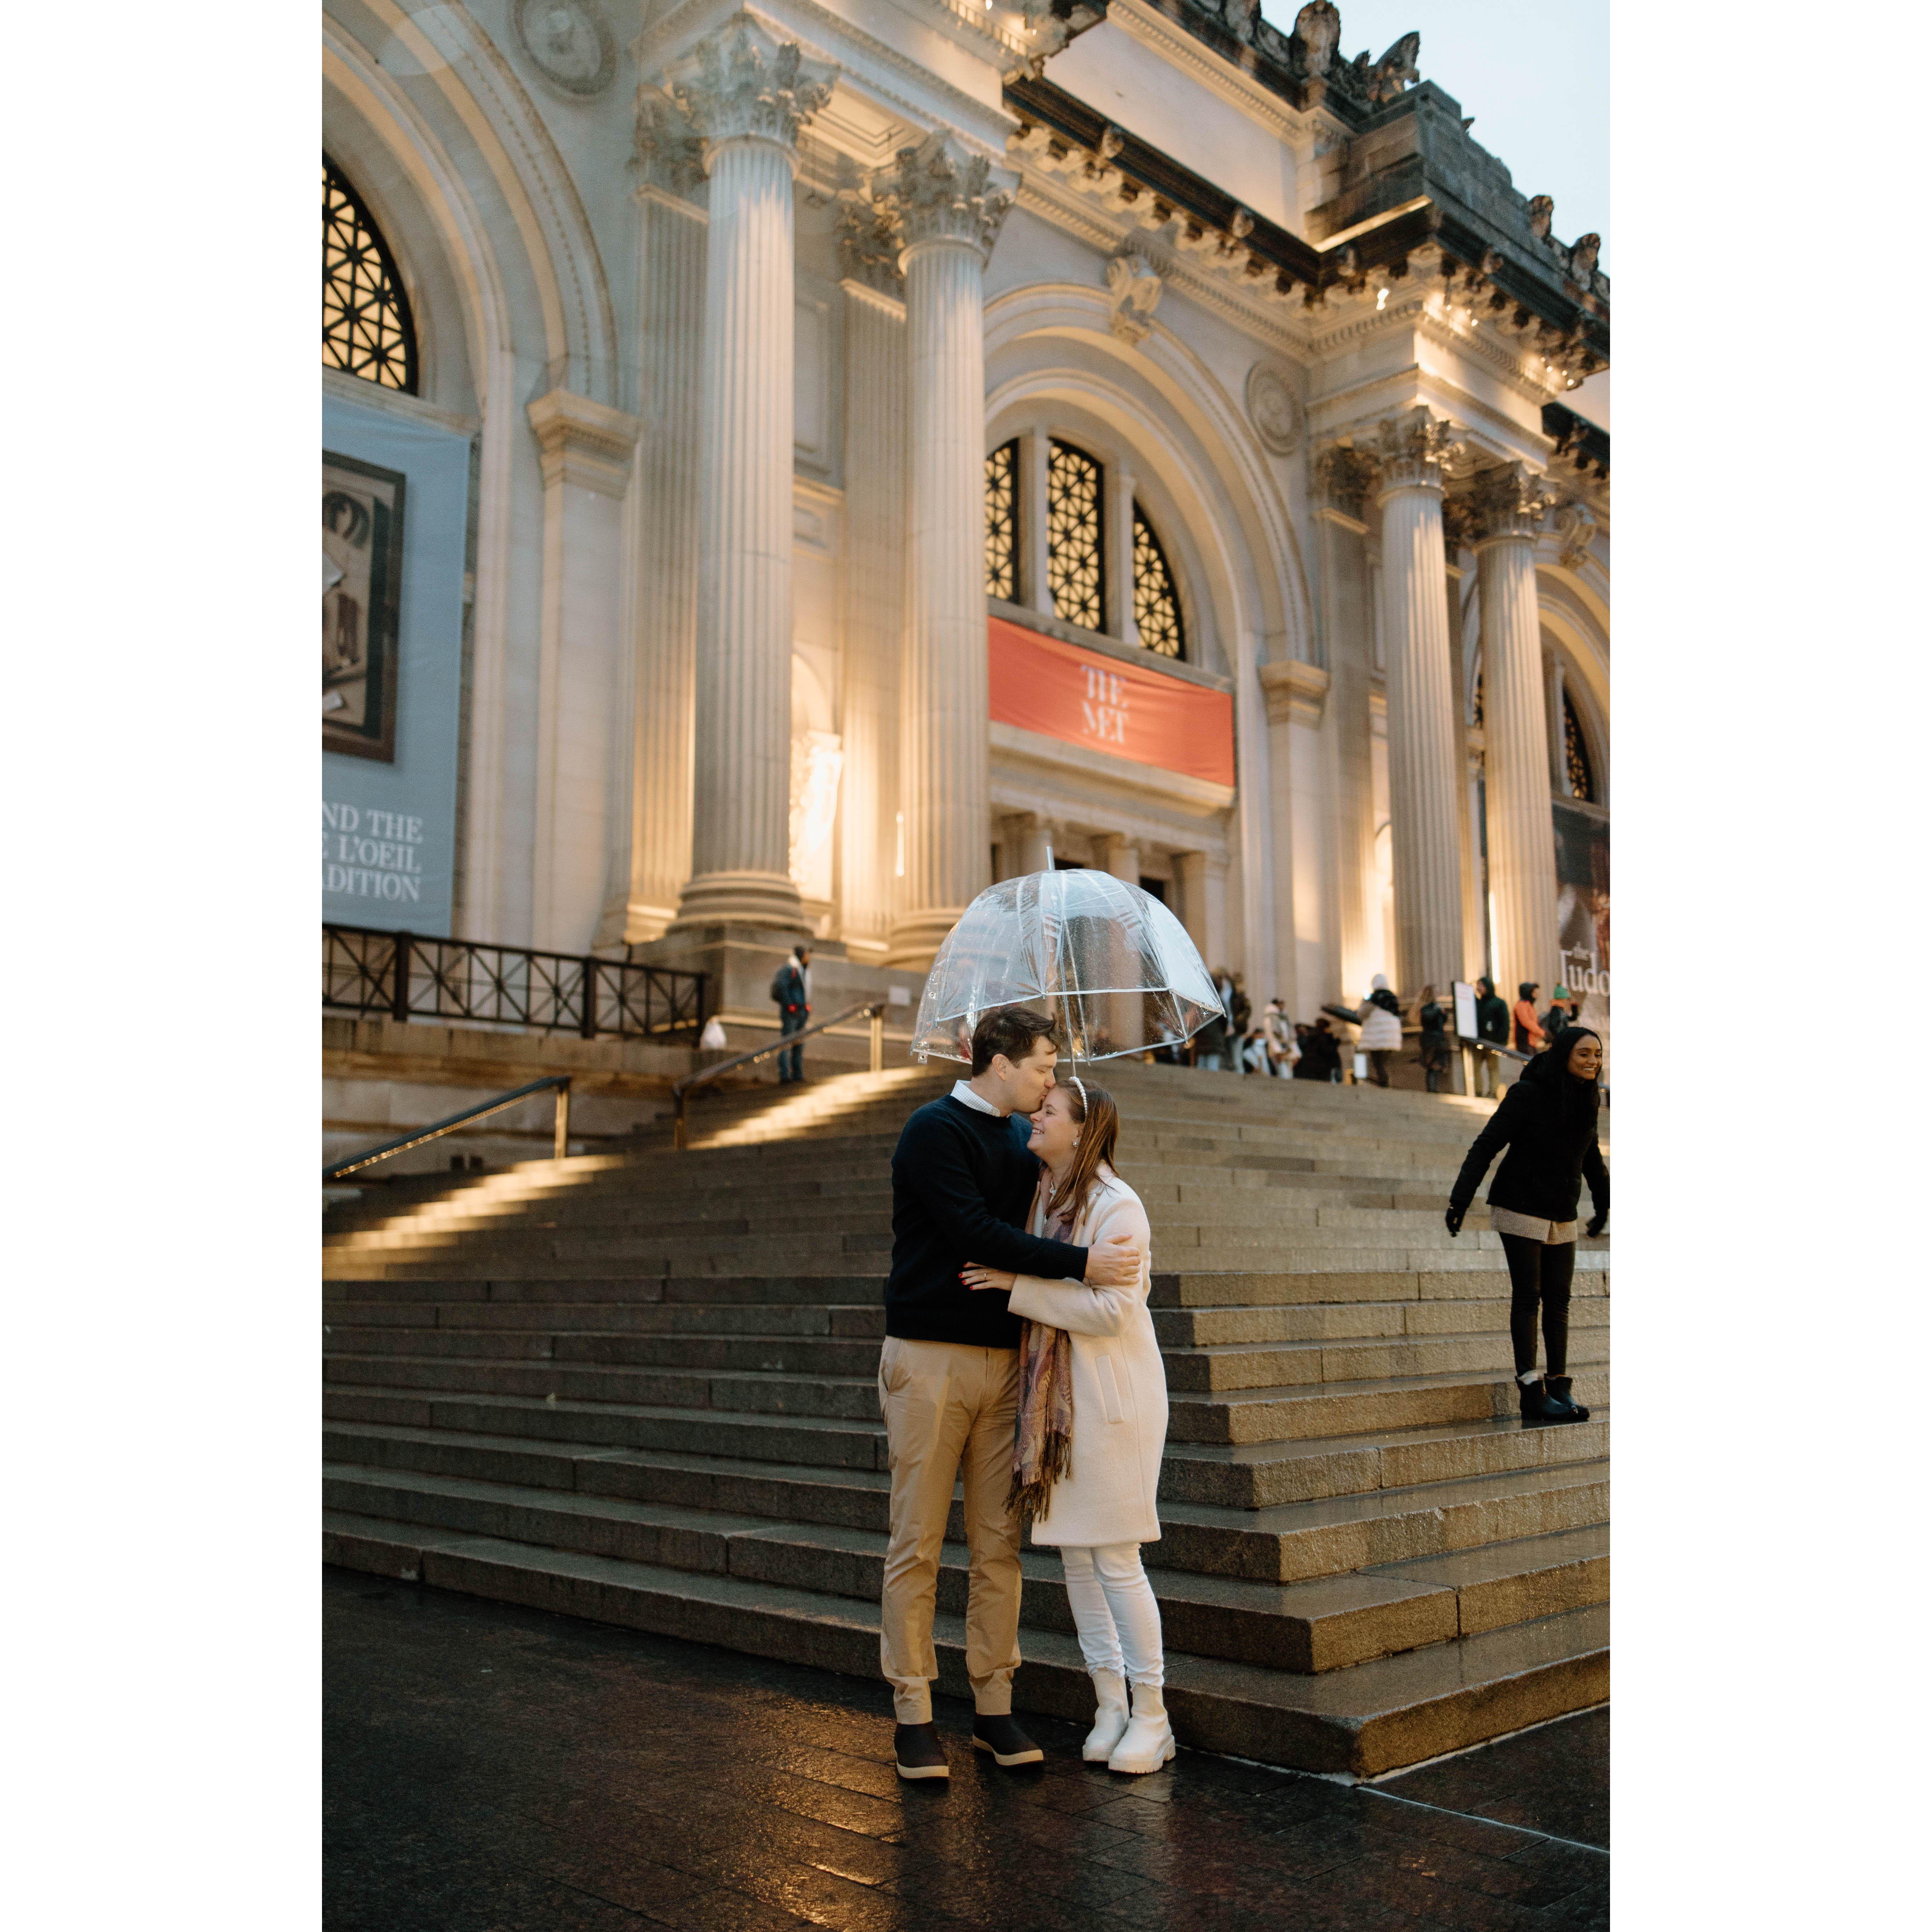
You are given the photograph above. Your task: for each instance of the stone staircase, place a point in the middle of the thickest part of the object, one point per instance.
(641, 1388)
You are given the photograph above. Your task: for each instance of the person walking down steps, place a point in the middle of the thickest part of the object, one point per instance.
(791, 994)
(1548, 1121)
(1380, 1019)
(1092, 1422)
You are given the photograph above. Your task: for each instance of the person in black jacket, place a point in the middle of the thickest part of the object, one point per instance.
(1492, 1023)
(791, 994)
(1548, 1121)
(1434, 1045)
(948, 1377)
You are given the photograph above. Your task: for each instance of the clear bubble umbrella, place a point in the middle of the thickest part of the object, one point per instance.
(1108, 961)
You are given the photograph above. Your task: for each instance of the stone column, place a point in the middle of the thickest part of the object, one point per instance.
(583, 682)
(748, 99)
(951, 214)
(1523, 847)
(670, 288)
(1425, 762)
(1121, 857)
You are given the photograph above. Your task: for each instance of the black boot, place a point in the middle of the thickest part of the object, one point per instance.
(1572, 1410)
(1009, 1744)
(918, 1752)
(1534, 1401)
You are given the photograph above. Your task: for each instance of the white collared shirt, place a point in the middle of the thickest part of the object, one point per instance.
(962, 1092)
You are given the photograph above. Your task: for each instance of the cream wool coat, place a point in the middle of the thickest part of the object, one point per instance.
(1120, 1386)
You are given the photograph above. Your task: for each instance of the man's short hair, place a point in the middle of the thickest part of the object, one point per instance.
(1011, 1031)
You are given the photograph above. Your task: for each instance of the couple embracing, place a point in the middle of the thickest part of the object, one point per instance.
(1020, 1357)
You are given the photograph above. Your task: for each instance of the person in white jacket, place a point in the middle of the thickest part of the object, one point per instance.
(1380, 1018)
(1093, 1422)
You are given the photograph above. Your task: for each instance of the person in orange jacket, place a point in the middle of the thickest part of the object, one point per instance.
(1529, 1033)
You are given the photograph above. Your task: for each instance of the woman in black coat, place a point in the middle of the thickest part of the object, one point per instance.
(1548, 1121)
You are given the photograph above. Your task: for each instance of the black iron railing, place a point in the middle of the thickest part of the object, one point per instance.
(403, 976)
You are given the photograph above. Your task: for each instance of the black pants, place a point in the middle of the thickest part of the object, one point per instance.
(1540, 1273)
(791, 1062)
(1379, 1058)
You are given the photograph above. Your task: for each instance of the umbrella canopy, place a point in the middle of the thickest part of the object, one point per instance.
(1109, 962)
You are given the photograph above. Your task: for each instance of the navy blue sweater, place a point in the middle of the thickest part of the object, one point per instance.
(962, 1184)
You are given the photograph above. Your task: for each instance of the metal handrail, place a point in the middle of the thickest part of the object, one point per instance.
(560, 1081)
(682, 1090)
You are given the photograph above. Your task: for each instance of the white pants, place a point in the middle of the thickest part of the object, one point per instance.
(1114, 1610)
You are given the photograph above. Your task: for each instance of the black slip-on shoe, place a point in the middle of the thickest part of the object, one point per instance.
(1009, 1744)
(1569, 1409)
(917, 1752)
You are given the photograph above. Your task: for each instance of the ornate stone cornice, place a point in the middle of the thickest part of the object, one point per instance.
(583, 442)
(743, 84)
(1345, 474)
(1413, 449)
(1509, 501)
(943, 193)
(1462, 524)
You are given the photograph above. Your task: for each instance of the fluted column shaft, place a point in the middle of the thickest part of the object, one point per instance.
(672, 295)
(944, 782)
(742, 793)
(1516, 736)
(1423, 761)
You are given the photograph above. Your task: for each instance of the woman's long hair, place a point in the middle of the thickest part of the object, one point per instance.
(1099, 1123)
(1573, 1101)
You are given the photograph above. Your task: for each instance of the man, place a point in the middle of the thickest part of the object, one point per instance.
(791, 991)
(1492, 1025)
(949, 1378)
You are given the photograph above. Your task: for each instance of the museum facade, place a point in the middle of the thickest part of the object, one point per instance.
(788, 467)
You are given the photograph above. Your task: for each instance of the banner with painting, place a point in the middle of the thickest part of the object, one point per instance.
(395, 496)
(1583, 913)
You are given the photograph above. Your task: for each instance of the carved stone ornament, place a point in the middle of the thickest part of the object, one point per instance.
(1461, 522)
(1318, 27)
(1239, 16)
(747, 85)
(1575, 530)
(569, 42)
(1510, 500)
(1384, 80)
(669, 148)
(869, 242)
(1583, 255)
(1135, 286)
(1274, 409)
(1345, 474)
(945, 195)
(1414, 449)
(1542, 213)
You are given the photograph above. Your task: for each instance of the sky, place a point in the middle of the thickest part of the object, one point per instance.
(1535, 73)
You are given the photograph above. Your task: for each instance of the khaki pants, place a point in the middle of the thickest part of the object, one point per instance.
(947, 1404)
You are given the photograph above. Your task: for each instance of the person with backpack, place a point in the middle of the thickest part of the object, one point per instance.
(791, 994)
(1548, 1122)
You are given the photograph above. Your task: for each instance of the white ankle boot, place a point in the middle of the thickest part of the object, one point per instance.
(1110, 1720)
(1148, 1742)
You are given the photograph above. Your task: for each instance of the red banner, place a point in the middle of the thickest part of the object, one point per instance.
(1062, 691)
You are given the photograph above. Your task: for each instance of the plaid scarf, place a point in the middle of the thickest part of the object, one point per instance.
(1043, 1434)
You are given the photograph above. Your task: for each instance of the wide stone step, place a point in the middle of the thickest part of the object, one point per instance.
(1359, 1722)
(1336, 1321)
(1323, 1625)
(1245, 1366)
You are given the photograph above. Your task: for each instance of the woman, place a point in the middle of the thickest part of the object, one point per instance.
(1435, 1043)
(1380, 1019)
(1530, 1036)
(1548, 1121)
(1283, 1050)
(1092, 1423)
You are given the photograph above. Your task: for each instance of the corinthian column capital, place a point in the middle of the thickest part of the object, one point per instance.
(944, 194)
(1509, 501)
(742, 84)
(1413, 449)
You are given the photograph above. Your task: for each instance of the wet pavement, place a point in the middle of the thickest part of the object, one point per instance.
(494, 1769)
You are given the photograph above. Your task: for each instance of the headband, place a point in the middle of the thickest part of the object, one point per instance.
(1081, 1084)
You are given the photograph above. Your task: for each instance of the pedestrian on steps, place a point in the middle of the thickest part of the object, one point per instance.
(1093, 1422)
(1548, 1121)
(1530, 1036)
(1434, 1055)
(791, 993)
(1492, 1023)
(1380, 1018)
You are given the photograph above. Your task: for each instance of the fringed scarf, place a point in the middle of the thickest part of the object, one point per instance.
(1043, 1436)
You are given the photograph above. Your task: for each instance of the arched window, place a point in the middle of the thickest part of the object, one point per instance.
(1075, 560)
(1002, 522)
(366, 328)
(1157, 604)
(1577, 771)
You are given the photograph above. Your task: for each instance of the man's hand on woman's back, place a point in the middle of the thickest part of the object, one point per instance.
(1114, 1263)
